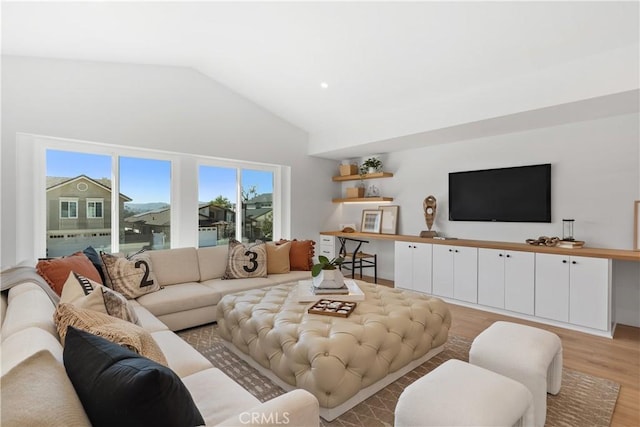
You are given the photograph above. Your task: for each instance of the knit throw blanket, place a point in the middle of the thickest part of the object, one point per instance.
(22, 274)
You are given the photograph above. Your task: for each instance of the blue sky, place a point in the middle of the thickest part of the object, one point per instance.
(146, 180)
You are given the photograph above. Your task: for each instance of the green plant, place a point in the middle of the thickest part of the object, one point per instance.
(325, 264)
(371, 162)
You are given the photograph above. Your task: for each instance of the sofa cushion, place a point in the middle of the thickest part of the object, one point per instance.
(131, 277)
(26, 343)
(181, 357)
(86, 293)
(113, 329)
(37, 392)
(181, 297)
(28, 306)
(55, 271)
(292, 276)
(147, 320)
(245, 261)
(212, 262)
(278, 258)
(301, 254)
(223, 400)
(224, 287)
(174, 266)
(120, 388)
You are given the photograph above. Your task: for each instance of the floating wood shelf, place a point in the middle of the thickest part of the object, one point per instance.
(363, 199)
(365, 176)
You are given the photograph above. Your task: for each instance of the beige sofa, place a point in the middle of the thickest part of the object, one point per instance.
(192, 285)
(192, 288)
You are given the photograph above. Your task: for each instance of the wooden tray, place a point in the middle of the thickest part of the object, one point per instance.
(330, 307)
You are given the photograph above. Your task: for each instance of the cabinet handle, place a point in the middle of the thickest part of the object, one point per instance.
(500, 255)
(450, 250)
(564, 261)
(508, 256)
(573, 262)
(457, 251)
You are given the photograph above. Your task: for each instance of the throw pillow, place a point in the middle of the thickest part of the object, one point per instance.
(246, 261)
(55, 271)
(85, 293)
(115, 330)
(95, 259)
(301, 254)
(33, 383)
(120, 388)
(278, 258)
(131, 277)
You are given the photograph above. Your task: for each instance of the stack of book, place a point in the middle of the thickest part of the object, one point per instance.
(570, 244)
(343, 290)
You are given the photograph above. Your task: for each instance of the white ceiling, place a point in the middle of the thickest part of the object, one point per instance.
(378, 58)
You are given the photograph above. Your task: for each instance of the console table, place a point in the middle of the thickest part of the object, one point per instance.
(564, 287)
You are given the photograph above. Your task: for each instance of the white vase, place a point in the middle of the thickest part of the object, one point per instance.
(329, 279)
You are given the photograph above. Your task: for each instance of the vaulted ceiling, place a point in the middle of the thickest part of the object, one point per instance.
(398, 75)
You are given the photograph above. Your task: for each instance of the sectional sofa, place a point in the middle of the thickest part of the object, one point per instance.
(192, 285)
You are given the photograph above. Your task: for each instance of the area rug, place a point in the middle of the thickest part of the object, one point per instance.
(583, 401)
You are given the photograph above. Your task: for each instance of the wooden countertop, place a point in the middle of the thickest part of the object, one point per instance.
(618, 254)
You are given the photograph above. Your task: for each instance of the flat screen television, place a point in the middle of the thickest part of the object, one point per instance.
(515, 194)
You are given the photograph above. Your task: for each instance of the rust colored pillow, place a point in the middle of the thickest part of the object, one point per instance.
(56, 271)
(301, 254)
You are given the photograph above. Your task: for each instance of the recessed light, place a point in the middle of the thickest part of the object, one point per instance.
(324, 85)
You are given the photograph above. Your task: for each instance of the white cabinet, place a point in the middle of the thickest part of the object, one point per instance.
(506, 280)
(455, 272)
(413, 266)
(573, 289)
(327, 246)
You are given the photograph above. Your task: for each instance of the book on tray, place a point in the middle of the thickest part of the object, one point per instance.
(343, 290)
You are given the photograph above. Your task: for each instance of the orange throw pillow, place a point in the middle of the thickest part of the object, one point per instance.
(301, 254)
(56, 271)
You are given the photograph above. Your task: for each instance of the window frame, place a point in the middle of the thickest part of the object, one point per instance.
(69, 200)
(95, 200)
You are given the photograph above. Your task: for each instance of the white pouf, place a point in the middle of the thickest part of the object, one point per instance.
(528, 355)
(459, 394)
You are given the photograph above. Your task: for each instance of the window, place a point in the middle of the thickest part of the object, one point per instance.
(257, 205)
(217, 194)
(69, 208)
(94, 208)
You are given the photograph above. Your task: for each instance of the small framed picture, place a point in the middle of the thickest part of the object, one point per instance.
(389, 223)
(371, 221)
(636, 225)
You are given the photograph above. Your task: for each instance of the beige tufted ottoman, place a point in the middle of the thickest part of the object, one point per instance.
(342, 361)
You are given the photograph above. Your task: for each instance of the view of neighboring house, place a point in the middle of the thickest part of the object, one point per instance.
(79, 213)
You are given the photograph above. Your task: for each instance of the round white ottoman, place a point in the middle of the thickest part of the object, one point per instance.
(459, 394)
(528, 355)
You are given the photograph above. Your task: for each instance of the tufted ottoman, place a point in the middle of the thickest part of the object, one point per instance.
(459, 394)
(526, 354)
(342, 361)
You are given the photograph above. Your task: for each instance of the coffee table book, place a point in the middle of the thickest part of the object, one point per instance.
(306, 293)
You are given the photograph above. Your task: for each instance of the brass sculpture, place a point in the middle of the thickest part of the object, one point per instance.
(429, 205)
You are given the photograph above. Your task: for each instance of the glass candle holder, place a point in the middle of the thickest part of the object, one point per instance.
(567, 229)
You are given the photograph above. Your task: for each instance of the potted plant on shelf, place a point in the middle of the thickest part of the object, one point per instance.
(326, 273)
(371, 165)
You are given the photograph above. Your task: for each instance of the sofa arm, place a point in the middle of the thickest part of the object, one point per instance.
(298, 408)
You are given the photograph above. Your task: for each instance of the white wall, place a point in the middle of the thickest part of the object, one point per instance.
(165, 108)
(595, 179)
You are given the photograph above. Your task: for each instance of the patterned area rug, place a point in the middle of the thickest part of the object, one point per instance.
(583, 400)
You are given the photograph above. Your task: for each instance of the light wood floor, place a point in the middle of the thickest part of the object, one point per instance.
(616, 359)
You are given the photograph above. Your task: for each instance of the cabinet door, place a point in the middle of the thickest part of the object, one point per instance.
(552, 287)
(422, 253)
(404, 265)
(465, 274)
(589, 292)
(519, 278)
(491, 277)
(443, 270)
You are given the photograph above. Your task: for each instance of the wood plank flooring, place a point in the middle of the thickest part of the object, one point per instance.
(617, 359)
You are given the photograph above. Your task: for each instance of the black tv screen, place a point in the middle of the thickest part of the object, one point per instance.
(516, 194)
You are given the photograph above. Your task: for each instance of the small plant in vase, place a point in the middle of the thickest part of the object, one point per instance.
(371, 165)
(326, 273)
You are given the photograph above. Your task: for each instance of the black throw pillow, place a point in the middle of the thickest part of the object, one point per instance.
(118, 387)
(95, 259)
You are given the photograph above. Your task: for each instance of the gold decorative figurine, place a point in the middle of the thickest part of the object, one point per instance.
(429, 205)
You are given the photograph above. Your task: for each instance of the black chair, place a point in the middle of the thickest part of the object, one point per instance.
(354, 258)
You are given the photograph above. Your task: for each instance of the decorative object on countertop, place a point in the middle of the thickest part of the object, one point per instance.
(373, 191)
(544, 241)
(355, 192)
(429, 205)
(389, 219)
(371, 221)
(568, 239)
(326, 273)
(371, 165)
(348, 167)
